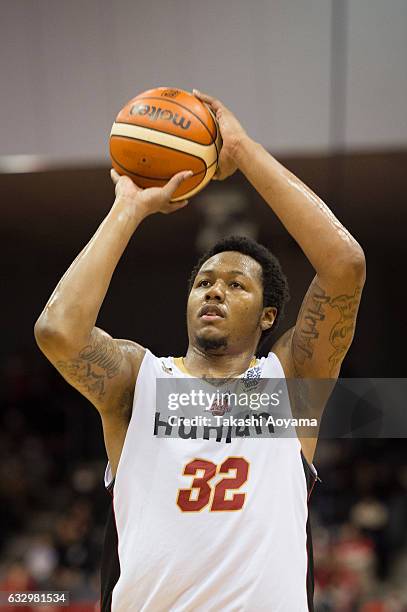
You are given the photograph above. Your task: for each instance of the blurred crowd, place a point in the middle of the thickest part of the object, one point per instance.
(52, 500)
(53, 503)
(359, 518)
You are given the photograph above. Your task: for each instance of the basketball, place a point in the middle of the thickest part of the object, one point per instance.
(161, 132)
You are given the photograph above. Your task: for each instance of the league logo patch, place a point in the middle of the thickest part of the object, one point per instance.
(252, 377)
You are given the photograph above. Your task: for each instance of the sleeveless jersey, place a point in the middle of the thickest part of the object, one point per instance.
(247, 549)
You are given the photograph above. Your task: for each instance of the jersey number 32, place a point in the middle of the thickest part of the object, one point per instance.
(220, 497)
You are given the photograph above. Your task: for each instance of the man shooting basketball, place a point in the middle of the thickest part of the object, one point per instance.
(203, 525)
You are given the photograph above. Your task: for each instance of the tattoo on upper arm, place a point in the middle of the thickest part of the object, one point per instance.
(314, 310)
(103, 354)
(342, 332)
(81, 375)
(97, 362)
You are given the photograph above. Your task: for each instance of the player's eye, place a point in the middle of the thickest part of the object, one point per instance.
(235, 284)
(203, 283)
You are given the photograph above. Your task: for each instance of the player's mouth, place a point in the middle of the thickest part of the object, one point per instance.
(211, 312)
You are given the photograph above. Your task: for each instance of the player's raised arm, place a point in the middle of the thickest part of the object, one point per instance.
(317, 345)
(103, 369)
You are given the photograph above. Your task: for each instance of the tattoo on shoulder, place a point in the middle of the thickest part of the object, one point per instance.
(314, 310)
(96, 363)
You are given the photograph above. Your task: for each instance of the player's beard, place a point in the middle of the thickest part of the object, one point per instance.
(209, 345)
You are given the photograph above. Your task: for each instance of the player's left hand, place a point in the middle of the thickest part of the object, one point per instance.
(137, 201)
(232, 135)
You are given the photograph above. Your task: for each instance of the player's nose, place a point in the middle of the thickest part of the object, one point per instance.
(216, 292)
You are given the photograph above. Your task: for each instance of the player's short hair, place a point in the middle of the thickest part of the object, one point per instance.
(275, 284)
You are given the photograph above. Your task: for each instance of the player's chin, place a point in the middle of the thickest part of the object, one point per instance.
(210, 339)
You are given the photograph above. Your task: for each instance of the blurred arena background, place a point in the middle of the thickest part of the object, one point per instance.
(323, 85)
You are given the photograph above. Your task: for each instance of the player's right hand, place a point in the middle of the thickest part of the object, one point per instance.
(232, 134)
(151, 200)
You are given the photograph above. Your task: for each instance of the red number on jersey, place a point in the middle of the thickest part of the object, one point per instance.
(185, 499)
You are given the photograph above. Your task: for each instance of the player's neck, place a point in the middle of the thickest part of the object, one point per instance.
(205, 365)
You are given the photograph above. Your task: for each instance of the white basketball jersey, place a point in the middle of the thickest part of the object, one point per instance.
(235, 541)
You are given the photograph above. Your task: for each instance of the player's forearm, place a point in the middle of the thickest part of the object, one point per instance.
(328, 245)
(72, 310)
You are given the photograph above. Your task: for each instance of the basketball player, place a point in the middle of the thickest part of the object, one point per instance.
(204, 525)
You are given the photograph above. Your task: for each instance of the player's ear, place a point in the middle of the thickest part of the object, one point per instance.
(268, 317)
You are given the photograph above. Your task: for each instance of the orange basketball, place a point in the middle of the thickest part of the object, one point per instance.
(161, 132)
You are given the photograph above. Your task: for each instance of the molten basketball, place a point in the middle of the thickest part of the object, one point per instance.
(161, 132)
